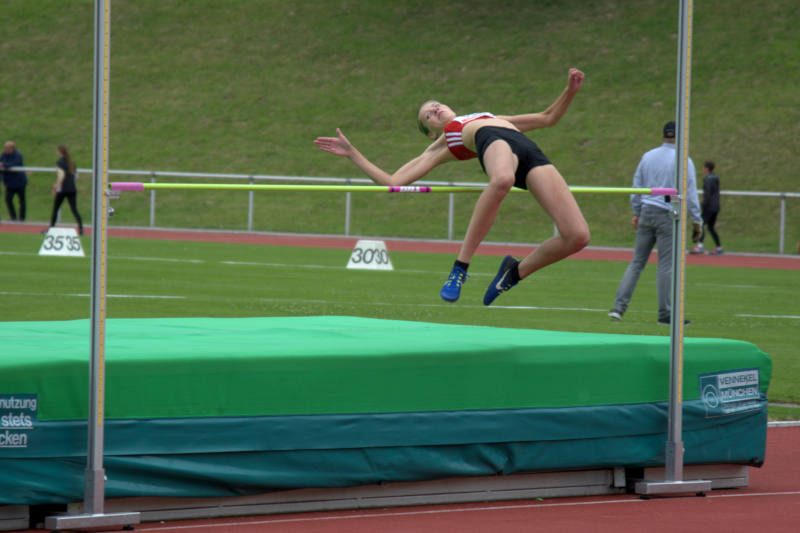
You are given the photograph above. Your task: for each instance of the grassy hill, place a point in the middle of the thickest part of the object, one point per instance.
(245, 86)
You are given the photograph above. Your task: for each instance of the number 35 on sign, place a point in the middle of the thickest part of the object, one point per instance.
(62, 241)
(370, 255)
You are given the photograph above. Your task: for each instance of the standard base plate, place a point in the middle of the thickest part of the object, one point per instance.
(87, 522)
(672, 487)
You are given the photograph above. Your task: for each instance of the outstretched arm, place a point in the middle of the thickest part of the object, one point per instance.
(434, 155)
(551, 115)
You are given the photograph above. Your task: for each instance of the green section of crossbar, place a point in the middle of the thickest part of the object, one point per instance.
(132, 186)
(266, 187)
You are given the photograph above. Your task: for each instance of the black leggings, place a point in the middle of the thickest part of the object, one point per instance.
(710, 219)
(9, 202)
(70, 196)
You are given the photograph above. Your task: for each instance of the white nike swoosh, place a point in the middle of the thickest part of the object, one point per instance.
(499, 285)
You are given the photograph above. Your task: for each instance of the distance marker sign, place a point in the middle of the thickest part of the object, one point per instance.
(370, 255)
(62, 241)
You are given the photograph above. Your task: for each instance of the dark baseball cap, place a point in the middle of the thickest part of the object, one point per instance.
(669, 130)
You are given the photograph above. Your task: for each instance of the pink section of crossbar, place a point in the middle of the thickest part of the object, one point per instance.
(127, 186)
(663, 191)
(409, 188)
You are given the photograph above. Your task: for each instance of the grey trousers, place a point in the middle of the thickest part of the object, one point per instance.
(655, 228)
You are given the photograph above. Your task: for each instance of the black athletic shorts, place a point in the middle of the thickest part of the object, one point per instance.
(529, 155)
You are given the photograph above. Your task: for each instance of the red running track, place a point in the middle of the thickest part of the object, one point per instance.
(771, 504)
(781, 262)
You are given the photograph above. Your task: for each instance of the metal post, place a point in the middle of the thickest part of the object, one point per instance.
(782, 231)
(450, 215)
(347, 212)
(250, 206)
(673, 476)
(153, 201)
(94, 489)
(95, 474)
(674, 450)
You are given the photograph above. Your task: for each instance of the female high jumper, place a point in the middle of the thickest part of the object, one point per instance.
(510, 159)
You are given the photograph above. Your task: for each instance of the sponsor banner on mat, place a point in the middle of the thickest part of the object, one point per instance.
(730, 392)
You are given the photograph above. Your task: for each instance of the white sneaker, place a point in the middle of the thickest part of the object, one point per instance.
(616, 315)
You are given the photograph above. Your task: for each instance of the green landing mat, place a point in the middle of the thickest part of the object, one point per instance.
(211, 367)
(203, 407)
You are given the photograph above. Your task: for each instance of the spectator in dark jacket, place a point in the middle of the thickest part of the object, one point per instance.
(15, 181)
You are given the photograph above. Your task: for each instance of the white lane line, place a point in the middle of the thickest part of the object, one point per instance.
(146, 296)
(277, 265)
(444, 305)
(792, 317)
(164, 259)
(631, 500)
(86, 295)
(536, 308)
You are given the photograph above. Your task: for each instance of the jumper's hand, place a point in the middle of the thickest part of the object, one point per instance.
(574, 80)
(335, 145)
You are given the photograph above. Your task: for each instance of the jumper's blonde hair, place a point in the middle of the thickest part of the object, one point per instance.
(422, 127)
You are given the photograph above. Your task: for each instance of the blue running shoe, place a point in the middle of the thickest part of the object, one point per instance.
(503, 281)
(452, 287)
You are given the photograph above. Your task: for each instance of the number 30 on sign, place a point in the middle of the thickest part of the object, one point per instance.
(370, 255)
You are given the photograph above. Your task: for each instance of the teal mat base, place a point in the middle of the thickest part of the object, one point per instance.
(639, 442)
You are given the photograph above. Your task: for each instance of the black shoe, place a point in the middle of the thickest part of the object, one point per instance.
(666, 321)
(502, 281)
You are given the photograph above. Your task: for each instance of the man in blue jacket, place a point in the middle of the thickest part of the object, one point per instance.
(15, 181)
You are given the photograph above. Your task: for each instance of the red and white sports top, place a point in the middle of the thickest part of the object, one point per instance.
(452, 134)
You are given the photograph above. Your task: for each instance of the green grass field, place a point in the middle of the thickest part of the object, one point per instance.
(153, 278)
(245, 86)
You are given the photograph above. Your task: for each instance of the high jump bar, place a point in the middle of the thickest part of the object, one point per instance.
(141, 186)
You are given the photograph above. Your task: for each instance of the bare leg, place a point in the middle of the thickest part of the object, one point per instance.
(501, 164)
(553, 194)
